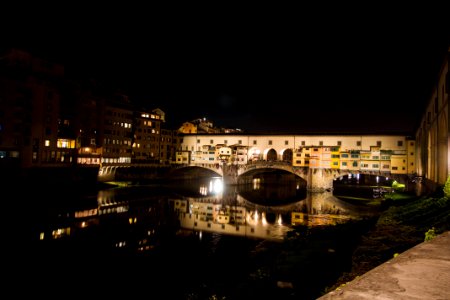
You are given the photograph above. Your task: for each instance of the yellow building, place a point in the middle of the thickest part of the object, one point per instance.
(399, 163)
(187, 128)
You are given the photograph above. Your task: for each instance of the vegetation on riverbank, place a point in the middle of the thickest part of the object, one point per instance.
(407, 221)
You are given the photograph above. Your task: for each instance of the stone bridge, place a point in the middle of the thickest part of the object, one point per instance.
(316, 179)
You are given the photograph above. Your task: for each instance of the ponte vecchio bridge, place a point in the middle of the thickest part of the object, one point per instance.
(316, 159)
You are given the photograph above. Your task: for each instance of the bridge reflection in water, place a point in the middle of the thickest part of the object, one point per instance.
(191, 229)
(242, 211)
(263, 208)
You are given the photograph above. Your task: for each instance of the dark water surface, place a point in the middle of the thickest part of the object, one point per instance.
(184, 240)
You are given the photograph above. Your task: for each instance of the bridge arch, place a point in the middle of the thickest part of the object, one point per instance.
(279, 165)
(197, 170)
(270, 154)
(254, 154)
(287, 154)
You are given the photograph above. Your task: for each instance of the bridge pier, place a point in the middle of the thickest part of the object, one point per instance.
(319, 180)
(230, 174)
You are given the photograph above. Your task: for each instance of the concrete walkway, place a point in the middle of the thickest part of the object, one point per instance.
(422, 273)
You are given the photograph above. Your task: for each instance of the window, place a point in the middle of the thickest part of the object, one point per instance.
(240, 142)
(270, 142)
(211, 141)
(198, 141)
(303, 143)
(320, 143)
(339, 143)
(225, 142)
(286, 142)
(47, 143)
(358, 143)
(399, 143)
(254, 142)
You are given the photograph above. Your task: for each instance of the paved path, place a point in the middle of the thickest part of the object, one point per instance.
(422, 273)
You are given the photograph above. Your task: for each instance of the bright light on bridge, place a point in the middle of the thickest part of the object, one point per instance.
(216, 185)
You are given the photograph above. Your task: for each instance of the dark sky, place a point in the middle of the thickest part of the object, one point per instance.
(290, 69)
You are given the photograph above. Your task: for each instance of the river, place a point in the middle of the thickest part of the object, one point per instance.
(195, 239)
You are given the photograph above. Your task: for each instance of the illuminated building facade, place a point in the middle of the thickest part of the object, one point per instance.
(432, 136)
(49, 120)
(378, 154)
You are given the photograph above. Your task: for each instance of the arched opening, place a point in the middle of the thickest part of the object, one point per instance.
(272, 155)
(287, 155)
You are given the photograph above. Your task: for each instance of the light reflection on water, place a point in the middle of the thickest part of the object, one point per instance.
(256, 211)
(148, 232)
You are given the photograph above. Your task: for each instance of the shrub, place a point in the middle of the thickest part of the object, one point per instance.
(447, 188)
(430, 234)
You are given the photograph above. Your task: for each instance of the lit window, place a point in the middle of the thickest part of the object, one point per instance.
(47, 143)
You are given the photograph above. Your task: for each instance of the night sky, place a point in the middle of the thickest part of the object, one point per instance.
(289, 70)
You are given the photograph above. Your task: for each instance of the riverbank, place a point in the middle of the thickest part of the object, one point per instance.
(406, 222)
(420, 273)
